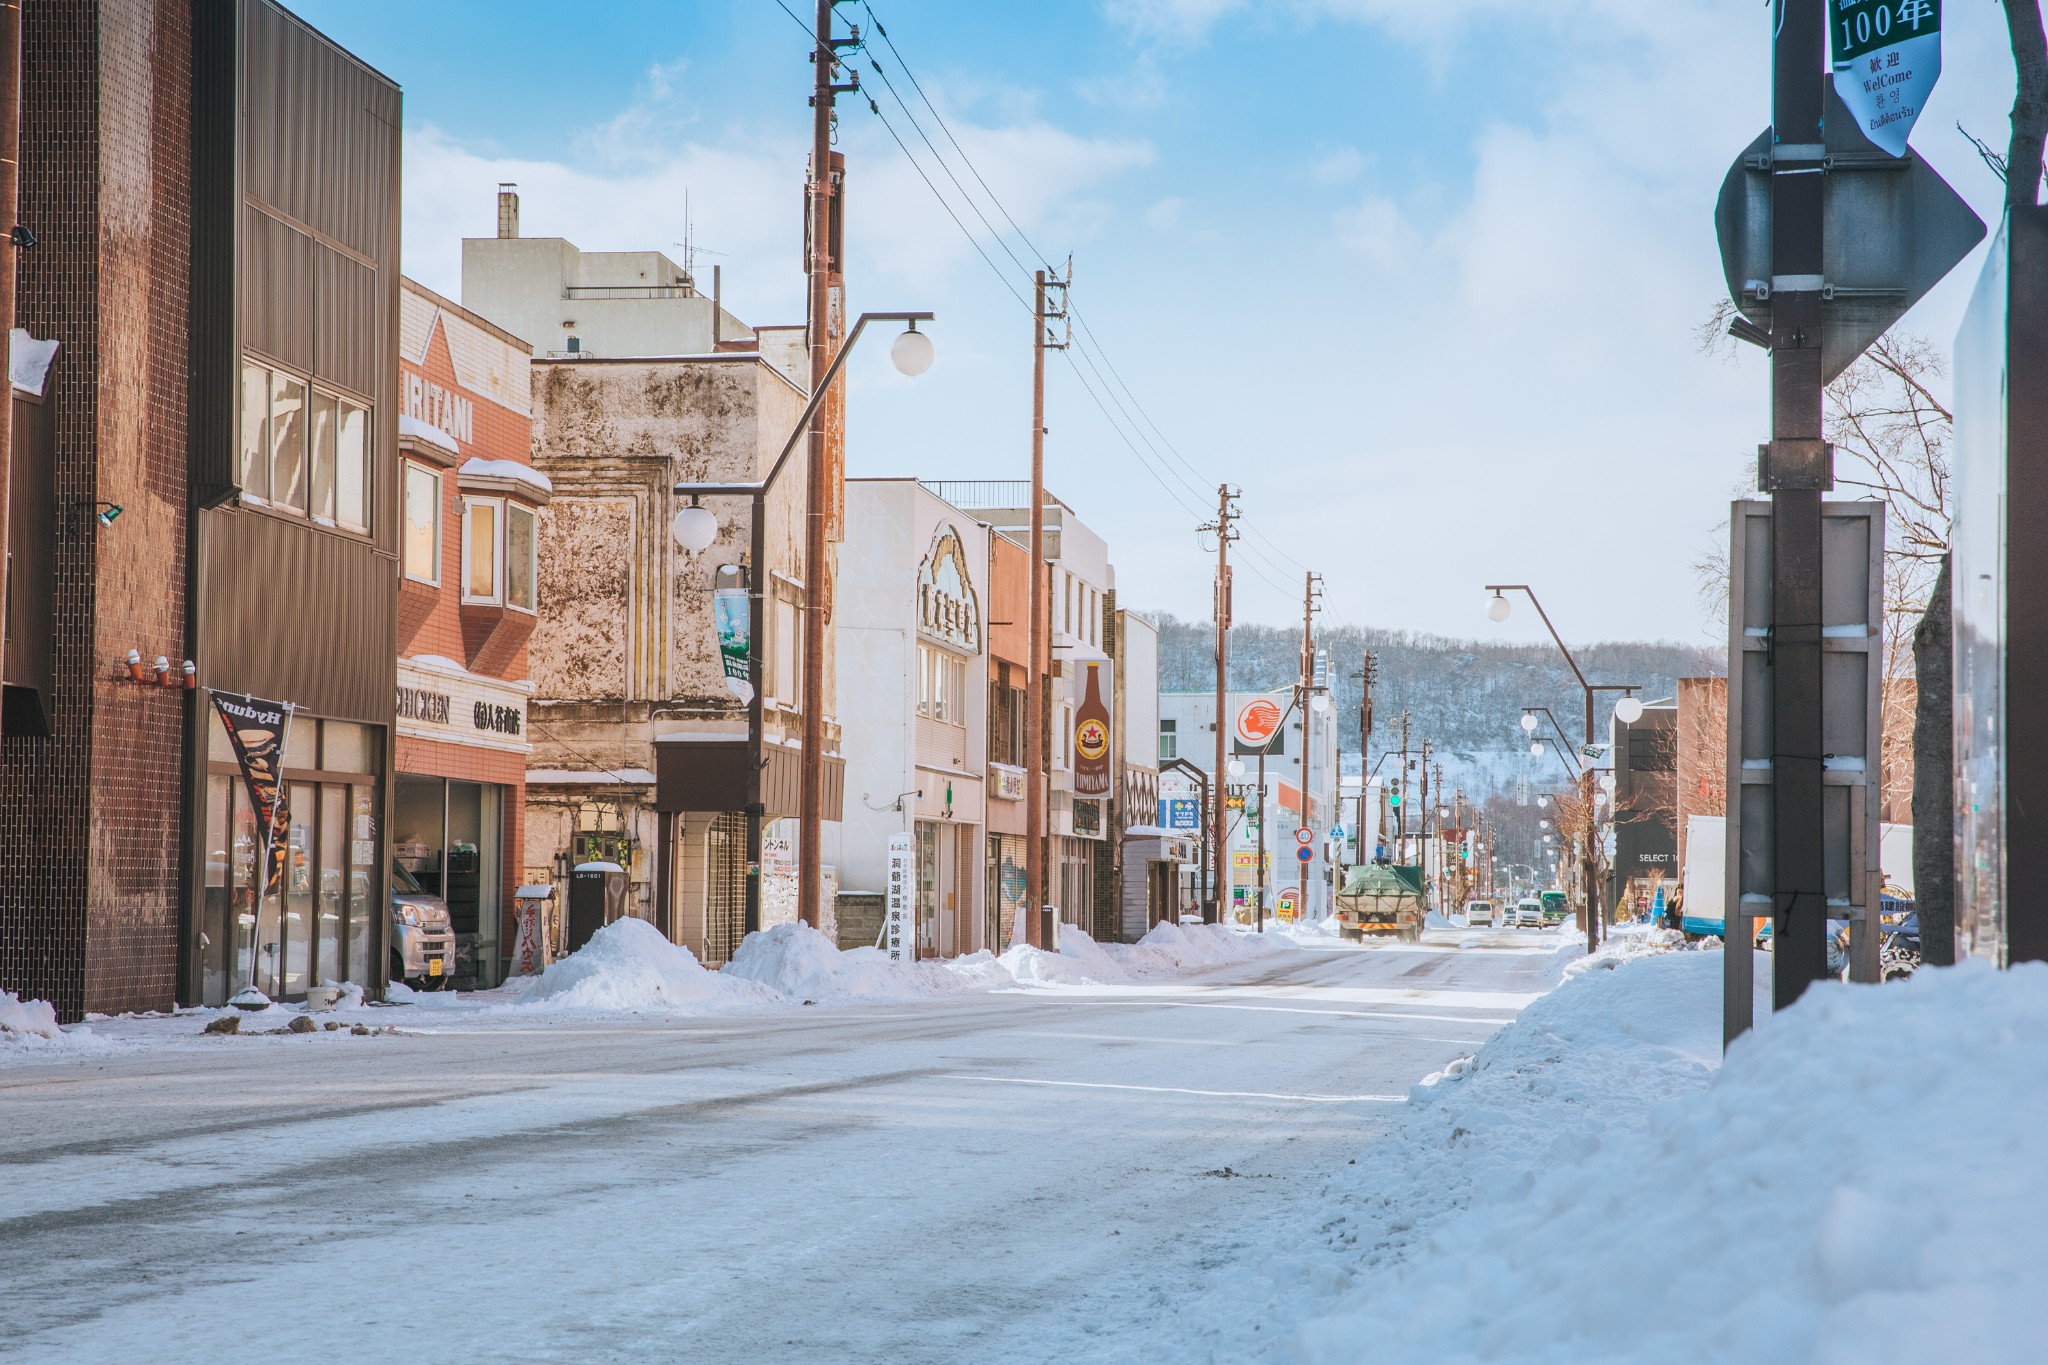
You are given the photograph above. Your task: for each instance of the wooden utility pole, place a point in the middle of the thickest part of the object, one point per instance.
(1311, 590)
(820, 494)
(1039, 930)
(1226, 514)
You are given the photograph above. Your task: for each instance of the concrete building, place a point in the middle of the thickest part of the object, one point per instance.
(570, 302)
(470, 504)
(912, 627)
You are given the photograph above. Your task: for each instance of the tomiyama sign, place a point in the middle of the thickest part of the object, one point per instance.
(1887, 59)
(947, 608)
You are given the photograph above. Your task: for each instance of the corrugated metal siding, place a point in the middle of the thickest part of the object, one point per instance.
(349, 341)
(299, 615)
(216, 223)
(277, 289)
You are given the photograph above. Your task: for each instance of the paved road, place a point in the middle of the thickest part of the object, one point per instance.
(1043, 1176)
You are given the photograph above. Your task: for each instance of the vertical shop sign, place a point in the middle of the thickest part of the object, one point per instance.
(730, 619)
(897, 939)
(257, 731)
(1091, 739)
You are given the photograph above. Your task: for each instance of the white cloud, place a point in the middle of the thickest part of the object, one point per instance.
(1378, 231)
(1337, 166)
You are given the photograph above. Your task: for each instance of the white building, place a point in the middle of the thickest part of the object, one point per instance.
(571, 302)
(913, 646)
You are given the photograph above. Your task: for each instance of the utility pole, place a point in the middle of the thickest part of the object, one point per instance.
(1223, 526)
(1798, 467)
(1401, 807)
(1422, 826)
(820, 493)
(1311, 595)
(1039, 931)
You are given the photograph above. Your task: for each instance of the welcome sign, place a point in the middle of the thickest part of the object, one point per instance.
(1887, 59)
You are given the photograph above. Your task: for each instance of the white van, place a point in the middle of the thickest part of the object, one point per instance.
(1481, 912)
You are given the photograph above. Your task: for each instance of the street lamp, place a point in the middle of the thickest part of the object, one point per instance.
(1499, 608)
(695, 528)
(1628, 710)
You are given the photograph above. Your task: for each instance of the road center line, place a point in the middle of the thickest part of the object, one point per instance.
(1178, 1090)
(1343, 1014)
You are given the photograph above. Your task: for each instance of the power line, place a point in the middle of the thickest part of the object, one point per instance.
(996, 270)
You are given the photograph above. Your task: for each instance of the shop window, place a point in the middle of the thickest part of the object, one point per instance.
(482, 577)
(422, 529)
(303, 452)
(789, 659)
(345, 747)
(520, 561)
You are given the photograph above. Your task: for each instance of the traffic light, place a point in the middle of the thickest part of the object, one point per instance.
(1394, 799)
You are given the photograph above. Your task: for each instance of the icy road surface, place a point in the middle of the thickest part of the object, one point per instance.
(1037, 1176)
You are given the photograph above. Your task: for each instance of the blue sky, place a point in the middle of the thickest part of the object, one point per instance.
(1420, 277)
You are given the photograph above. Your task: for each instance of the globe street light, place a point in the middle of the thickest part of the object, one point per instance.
(695, 528)
(1628, 710)
(1499, 608)
(1529, 721)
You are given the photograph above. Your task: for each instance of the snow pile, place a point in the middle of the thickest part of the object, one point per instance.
(627, 967)
(1858, 1183)
(1179, 948)
(797, 961)
(36, 1018)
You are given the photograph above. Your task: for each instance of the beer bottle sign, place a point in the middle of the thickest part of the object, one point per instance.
(1887, 59)
(1091, 739)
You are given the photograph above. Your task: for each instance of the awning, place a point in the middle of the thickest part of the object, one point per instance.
(709, 773)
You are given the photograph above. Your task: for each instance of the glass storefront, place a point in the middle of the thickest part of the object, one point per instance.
(449, 835)
(319, 927)
(1007, 891)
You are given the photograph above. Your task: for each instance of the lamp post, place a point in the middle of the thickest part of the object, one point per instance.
(1499, 608)
(696, 526)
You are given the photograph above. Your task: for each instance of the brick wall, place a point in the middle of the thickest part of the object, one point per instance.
(89, 865)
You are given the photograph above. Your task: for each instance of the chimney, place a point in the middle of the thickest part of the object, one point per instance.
(508, 209)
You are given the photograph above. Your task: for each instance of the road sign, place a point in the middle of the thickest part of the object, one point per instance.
(1887, 59)
(1336, 831)
(1305, 853)
(1304, 836)
(1892, 228)
(1288, 903)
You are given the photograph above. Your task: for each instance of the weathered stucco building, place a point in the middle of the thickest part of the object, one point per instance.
(639, 743)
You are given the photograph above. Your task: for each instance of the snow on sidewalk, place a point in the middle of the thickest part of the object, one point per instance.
(629, 969)
(1858, 1183)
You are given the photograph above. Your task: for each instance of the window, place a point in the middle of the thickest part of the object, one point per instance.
(941, 685)
(1169, 740)
(520, 542)
(422, 529)
(303, 451)
(788, 658)
(481, 579)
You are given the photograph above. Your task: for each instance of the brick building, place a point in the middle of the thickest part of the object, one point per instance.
(225, 378)
(469, 508)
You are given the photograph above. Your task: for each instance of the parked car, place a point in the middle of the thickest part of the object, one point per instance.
(1528, 915)
(422, 934)
(1481, 912)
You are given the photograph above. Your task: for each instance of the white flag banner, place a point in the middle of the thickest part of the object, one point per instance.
(1887, 59)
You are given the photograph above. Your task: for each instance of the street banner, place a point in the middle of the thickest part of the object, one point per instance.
(1887, 59)
(257, 730)
(732, 621)
(1091, 740)
(1183, 812)
(899, 931)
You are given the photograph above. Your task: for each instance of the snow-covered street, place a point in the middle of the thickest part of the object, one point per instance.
(1028, 1174)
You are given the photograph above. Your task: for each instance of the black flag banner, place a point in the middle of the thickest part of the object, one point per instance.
(257, 730)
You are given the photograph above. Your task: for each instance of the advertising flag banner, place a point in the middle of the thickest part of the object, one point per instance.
(1887, 59)
(257, 730)
(732, 621)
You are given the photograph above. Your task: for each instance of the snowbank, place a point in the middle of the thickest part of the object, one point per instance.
(1857, 1183)
(628, 967)
(27, 1017)
(797, 961)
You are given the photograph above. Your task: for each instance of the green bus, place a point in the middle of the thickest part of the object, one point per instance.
(1555, 911)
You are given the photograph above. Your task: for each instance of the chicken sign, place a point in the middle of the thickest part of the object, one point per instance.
(1887, 59)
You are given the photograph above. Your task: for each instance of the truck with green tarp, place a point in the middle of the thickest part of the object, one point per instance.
(1383, 900)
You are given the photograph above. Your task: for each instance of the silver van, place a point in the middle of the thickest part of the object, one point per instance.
(422, 934)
